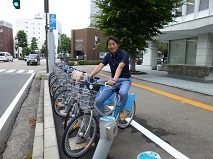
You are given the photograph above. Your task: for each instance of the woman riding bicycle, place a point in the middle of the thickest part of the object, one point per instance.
(118, 61)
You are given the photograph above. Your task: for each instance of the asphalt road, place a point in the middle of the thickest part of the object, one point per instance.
(17, 133)
(172, 128)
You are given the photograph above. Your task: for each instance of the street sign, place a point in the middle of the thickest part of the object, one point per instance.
(52, 21)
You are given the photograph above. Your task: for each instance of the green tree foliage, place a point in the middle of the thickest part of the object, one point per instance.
(134, 22)
(34, 45)
(21, 36)
(26, 51)
(43, 48)
(65, 44)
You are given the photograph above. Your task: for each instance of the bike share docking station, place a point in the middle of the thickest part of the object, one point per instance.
(108, 130)
(148, 155)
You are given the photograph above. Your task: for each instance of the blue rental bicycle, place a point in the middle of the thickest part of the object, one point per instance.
(80, 134)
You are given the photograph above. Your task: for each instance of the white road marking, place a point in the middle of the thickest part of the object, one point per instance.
(30, 71)
(1, 70)
(7, 113)
(20, 71)
(160, 142)
(10, 71)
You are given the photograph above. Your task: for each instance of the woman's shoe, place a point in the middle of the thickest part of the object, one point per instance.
(123, 115)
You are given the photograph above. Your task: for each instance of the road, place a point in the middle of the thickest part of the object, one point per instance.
(166, 121)
(16, 79)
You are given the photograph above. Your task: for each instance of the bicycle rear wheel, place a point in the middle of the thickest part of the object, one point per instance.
(129, 117)
(79, 137)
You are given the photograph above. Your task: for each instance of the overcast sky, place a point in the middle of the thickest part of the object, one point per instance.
(73, 14)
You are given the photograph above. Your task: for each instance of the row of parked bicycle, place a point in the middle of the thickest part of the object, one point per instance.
(73, 97)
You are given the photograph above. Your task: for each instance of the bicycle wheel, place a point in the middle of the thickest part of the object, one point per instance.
(53, 79)
(129, 117)
(73, 111)
(79, 137)
(58, 90)
(60, 103)
(50, 76)
(53, 88)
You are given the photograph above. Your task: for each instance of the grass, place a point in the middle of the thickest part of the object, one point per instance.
(28, 155)
(39, 77)
(137, 73)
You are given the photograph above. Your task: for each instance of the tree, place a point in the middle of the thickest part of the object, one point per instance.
(65, 44)
(134, 22)
(34, 45)
(21, 36)
(43, 48)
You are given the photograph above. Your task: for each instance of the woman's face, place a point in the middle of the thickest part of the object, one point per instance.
(112, 46)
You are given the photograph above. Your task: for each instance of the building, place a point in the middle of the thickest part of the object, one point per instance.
(6, 37)
(36, 28)
(190, 37)
(83, 44)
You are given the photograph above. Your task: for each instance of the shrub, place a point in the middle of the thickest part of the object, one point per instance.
(89, 62)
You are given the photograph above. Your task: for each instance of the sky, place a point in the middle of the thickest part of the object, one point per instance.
(72, 14)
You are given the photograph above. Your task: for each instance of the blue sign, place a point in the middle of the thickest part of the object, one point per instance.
(52, 21)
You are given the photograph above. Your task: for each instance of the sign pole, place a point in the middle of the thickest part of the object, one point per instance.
(46, 30)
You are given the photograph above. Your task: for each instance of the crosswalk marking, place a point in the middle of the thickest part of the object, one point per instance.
(1, 70)
(16, 71)
(30, 71)
(20, 71)
(10, 71)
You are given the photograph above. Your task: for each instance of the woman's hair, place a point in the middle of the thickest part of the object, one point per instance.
(112, 38)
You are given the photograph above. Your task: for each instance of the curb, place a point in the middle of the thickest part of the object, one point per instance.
(45, 141)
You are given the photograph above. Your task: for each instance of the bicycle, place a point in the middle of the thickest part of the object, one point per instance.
(62, 100)
(81, 131)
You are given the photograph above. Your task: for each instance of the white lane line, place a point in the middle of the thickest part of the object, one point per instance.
(1, 70)
(30, 71)
(10, 71)
(160, 142)
(20, 71)
(7, 113)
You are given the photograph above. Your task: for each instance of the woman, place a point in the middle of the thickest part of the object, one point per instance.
(118, 61)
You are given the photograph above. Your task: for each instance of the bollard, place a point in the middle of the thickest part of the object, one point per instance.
(108, 130)
(148, 155)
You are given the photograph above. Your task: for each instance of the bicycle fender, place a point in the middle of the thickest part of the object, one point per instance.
(130, 101)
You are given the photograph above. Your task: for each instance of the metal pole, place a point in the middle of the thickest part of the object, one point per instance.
(46, 30)
(108, 130)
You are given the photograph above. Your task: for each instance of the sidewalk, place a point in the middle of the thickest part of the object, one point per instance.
(45, 141)
(162, 78)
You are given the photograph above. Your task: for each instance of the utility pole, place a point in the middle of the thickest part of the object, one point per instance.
(46, 10)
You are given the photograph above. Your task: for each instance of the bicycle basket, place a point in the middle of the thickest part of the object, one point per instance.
(87, 99)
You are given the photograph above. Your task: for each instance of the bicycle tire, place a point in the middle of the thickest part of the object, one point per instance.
(72, 112)
(59, 104)
(53, 88)
(69, 139)
(58, 90)
(130, 115)
(53, 79)
(50, 76)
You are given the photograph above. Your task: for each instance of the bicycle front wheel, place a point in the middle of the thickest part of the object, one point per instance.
(129, 117)
(60, 103)
(79, 136)
(73, 111)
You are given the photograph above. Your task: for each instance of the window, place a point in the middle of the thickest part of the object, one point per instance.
(183, 51)
(204, 4)
(190, 6)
